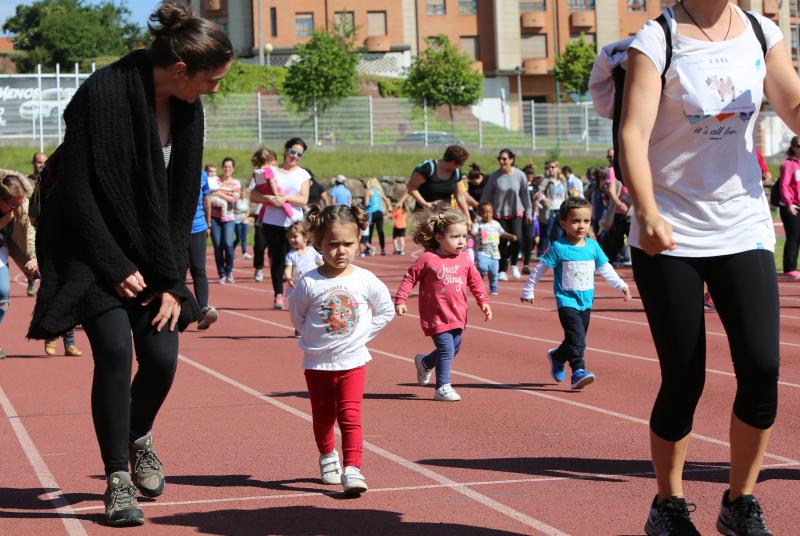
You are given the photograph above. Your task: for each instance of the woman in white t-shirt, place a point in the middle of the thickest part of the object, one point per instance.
(293, 182)
(701, 217)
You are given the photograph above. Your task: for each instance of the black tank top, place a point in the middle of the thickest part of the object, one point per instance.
(435, 189)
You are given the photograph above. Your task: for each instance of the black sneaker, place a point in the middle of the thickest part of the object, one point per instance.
(122, 509)
(210, 316)
(742, 517)
(670, 518)
(148, 473)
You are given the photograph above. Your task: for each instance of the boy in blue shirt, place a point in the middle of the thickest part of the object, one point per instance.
(574, 257)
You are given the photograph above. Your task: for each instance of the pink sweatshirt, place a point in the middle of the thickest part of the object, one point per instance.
(790, 182)
(443, 282)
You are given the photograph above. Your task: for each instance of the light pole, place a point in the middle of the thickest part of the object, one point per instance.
(268, 48)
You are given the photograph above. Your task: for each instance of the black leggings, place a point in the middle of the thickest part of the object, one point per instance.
(277, 248)
(376, 221)
(527, 242)
(791, 226)
(259, 246)
(122, 410)
(509, 249)
(745, 293)
(197, 266)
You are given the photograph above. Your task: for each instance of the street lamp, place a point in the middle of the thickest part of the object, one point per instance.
(268, 48)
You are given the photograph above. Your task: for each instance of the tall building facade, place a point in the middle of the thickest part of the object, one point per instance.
(514, 42)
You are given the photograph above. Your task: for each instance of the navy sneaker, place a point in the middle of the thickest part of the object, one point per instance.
(670, 518)
(581, 378)
(556, 368)
(742, 517)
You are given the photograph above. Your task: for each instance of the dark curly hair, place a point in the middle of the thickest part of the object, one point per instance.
(319, 220)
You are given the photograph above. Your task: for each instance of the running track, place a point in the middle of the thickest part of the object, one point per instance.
(519, 454)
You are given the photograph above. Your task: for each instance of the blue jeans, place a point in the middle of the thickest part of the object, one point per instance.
(575, 324)
(5, 290)
(447, 346)
(487, 265)
(222, 239)
(240, 231)
(553, 231)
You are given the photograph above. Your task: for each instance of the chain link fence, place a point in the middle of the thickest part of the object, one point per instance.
(31, 108)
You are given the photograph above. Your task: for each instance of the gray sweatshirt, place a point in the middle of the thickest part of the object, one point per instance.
(508, 194)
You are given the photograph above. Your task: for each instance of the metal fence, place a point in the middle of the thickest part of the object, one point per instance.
(31, 108)
(398, 123)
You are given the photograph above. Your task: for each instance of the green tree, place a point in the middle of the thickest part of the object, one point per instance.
(68, 31)
(574, 66)
(442, 74)
(324, 74)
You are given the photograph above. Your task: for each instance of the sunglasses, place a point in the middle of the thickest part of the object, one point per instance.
(502, 158)
(298, 154)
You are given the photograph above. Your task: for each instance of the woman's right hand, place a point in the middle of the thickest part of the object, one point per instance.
(131, 286)
(655, 234)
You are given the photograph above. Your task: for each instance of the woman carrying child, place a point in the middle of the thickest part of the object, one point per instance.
(444, 272)
(574, 257)
(338, 308)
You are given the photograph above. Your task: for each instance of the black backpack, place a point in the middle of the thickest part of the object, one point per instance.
(619, 80)
(775, 193)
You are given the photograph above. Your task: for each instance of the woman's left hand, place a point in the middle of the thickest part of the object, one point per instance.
(279, 200)
(169, 311)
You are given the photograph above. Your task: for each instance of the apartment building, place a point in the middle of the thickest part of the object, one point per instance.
(514, 42)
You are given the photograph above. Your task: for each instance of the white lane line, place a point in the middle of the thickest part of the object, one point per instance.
(65, 512)
(538, 394)
(415, 467)
(510, 481)
(550, 341)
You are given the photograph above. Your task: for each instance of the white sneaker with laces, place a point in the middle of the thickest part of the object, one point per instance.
(353, 481)
(258, 276)
(330, 470)
(515, 272)
(423, 373)
(446, 393)
(502, 276)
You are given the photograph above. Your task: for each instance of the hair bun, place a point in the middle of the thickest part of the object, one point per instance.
(169, 18)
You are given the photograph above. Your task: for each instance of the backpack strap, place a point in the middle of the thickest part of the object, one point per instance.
(758, 31)
(662, 21)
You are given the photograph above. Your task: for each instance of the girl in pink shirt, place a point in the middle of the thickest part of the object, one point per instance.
(444, 272)
(789, 208)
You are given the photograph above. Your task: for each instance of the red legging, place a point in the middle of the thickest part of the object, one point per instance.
(336, 395)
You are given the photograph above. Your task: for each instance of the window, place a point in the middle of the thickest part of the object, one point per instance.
(581, 5)
(470, 45)
(637, 5)
(795, 36)
(273, 21)
(468, 7)
(531, 5)
(436, 7)
(376, 23)
(345, 22)
(534, 46)
(303, 24)
(793, 8)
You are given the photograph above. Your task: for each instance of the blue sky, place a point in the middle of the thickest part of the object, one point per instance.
(140, 9)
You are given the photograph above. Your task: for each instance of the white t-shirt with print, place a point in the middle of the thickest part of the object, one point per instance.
(706, 179)
(336, 317)
(289, 184)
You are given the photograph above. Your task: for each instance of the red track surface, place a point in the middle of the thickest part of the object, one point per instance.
(519, 454)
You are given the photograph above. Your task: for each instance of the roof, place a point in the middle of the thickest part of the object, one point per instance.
(6, 44)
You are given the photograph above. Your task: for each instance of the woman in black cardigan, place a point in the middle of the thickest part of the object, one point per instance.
(114, 232)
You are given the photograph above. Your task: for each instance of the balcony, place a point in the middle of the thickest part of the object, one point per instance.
(378, 43)
(534, 66)
(583, 20)
(533, 20)
(771, 8)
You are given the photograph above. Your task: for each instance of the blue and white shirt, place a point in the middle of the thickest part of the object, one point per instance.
(574, 267)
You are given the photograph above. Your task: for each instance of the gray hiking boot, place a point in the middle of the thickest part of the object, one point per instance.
(122, 509)
(148, 473)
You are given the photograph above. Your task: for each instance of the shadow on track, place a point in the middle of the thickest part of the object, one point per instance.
(309, 520)
(605, 470)
(367, 396)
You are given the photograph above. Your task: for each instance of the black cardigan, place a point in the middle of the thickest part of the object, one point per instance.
(114, 208)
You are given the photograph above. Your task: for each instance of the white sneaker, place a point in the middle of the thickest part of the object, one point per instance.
(353, 481)
(247, 256)
(446, 393)
(330, 470)
(223, 280)
(502, 276)
(515, 272)
(423, 373)
(258, 276)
